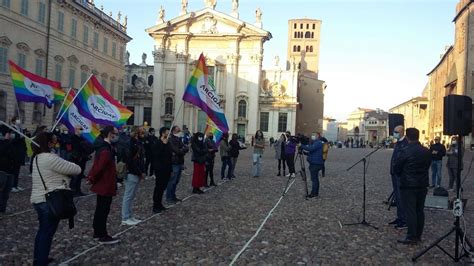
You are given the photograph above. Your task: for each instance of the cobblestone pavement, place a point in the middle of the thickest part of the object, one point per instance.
(212, 228)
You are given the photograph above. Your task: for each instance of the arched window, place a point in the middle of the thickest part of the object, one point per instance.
(242, 109)
(296, 34)
(168, 106)
(3, 105)
(298, 49)
(312, 35)
(307, 48)
(307, 26)
(301, 26)
(150, 80)
(134, 78)
(314, 26)
(294, 48)
(311, 49)
(307, 35)
(294, 26)
(299, 65)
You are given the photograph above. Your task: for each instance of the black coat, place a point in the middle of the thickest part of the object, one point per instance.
(136, 158)
(400, 145)
(162, 157)
(440, 149)
(234, 148)
(6, 156)
(412, 166)
(199, 151)
(178, 148)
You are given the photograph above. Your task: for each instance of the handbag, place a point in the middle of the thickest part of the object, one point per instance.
(60, 202)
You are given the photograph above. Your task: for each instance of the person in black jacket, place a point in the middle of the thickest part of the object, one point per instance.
(136, 172)
(211, 156)
(438, 151)
(199, 158)
(234, 152)
(162, 163)
(19, 153)
(399, 135)
(412, 167)
(150, 141)
(6, 170)
(80, 154)
(179, 149)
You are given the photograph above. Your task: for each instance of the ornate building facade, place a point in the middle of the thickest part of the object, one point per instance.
(251, 99)
(62, 40)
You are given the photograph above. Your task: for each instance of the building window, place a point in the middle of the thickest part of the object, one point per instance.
(41, 12)
(298, 49)
(6, 3)
(3, 105)
(37, 113)
(3, 59)
(24, 7)
(307, 35)
(301, 25)
(134, 78)
(58, 68)
(311, 49)
(21, 111)
(282, 121)
(147, 115)
(307, 48)
(169, 106)
(121, 54)
(73, 28)
(312, 35)
(112, 89)
(85, 38)
(242, 109)
(60, 21)
(264, 117)
(294, 48)
(39, 67)
(96, 40)
(150, 80)
(22, 60)
(72, 76)
(307, 26)
(296, 34)
(84, 77)
(314, 26)
(106, 45)
(294, 26)
(114, 50)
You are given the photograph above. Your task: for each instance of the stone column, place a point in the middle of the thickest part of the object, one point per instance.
(180, 87)
(158, 88)
(230, 90)
(255, 70)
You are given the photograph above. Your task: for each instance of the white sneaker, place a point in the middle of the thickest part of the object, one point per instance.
(129, 222)
(288, 175)
(20, 188)
(292, 175)
(136, 220)
(15, 190)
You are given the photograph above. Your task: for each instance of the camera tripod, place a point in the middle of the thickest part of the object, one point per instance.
(302, 172)
(364, 161)
(460, 235)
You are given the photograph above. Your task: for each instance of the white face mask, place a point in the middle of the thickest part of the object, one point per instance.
(179, 134)
(200, 138)
(17, 122)
(313, 137)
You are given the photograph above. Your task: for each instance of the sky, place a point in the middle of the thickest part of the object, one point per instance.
(373, 54)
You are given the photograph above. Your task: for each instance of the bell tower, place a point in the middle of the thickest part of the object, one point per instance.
(303, 44)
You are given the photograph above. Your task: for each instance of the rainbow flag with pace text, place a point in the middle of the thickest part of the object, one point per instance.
(33, 88)
(210, 127)
(72, 119)
(200, 93)
(97, 105)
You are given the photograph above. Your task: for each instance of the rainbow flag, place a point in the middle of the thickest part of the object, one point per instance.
(96, 104)
(210, 127)
(72, 119)
(201, 93)
(33, 88)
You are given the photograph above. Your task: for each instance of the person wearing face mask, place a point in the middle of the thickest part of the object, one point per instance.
(178, 151)
(150, 141)
(399, 135)
(163, 168)
(211, 156)
(290, 151)
(316, 163)
(102, 177)
(452, 164)
(438, 151)
(258, 148)
(50, 172)
(65, 145)
(6, 171)
(280, 154)
(199, 157)
(136, 173)
(18, 153)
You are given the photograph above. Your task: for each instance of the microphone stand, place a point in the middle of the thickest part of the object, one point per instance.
(364, 161)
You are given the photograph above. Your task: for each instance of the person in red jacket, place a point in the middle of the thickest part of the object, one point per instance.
(103, 176)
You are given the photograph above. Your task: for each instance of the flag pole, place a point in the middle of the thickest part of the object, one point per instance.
(67, 107)
(177, 113)
(19, 132)
(62, 104)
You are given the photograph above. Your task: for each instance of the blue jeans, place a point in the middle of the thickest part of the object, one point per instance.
(314, 172)
(173, 183)
(396, 192)
(226, 162)
(131, 187)
(44, 237)
(257, 160)
(436, 173)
